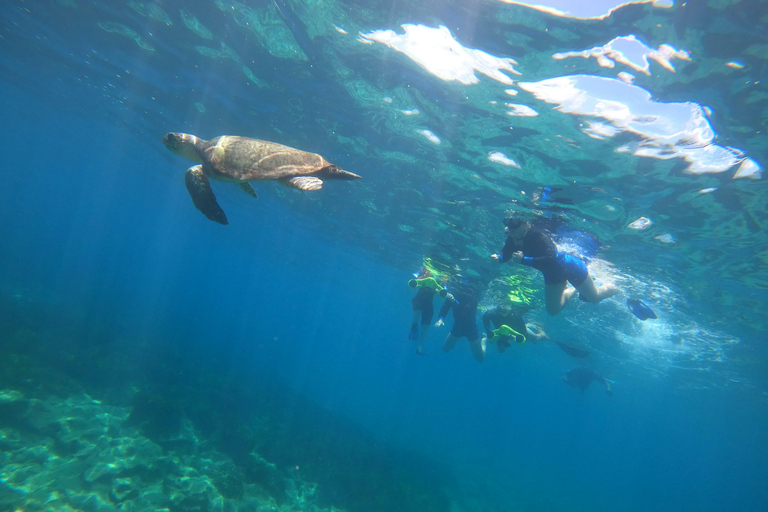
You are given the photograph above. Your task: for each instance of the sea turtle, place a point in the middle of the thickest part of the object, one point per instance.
(240, 160)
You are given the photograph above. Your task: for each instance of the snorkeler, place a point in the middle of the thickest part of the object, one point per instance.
(534, 248)
(462, 300)
(502, 316)
(423, 305)
(511, 324)
(582, 377)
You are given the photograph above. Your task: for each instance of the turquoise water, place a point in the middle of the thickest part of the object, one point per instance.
(155, 360)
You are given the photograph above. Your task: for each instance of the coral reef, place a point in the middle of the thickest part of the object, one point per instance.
(80, 454)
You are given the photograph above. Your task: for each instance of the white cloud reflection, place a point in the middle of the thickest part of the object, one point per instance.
(610, 105)
(438, 52)
(628, 50)
(520, 110)
(583, 9)
(666, 130)
(501, 158)
(431, 137)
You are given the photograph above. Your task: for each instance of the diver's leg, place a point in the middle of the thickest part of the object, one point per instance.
(478, 348)
(426, 321)
(423, 335)
(424, 329)
(589, 292)
(556, 297)
(414, 334)
(607, 385)
(450, 342)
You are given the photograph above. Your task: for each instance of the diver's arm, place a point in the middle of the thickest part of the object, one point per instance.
(506, 252)
(445, 309)
(540, 244)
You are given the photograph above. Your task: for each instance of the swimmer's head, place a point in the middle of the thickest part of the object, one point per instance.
(513, 222)
(516, 226)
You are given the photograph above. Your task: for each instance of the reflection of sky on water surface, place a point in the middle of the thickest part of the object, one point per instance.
(630, 51)
(664, 130)
(438, 52)
(668, 130)
(582, 9)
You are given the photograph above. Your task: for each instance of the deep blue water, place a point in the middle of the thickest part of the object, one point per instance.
(283, 335)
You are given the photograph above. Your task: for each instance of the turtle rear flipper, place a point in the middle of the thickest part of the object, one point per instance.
(200, 190)
(248, 189)
(303, 182)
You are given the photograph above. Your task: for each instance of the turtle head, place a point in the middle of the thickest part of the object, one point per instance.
(184, 145)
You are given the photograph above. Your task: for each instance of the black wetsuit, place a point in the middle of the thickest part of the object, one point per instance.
(582, 377)
(540, 252)
(464, 307)
(499, 318)
(423, 301)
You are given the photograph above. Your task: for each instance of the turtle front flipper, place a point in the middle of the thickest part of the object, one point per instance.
(248, 189)
(303, 182)
(202, 194)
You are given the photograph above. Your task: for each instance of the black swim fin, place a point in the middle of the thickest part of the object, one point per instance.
(571, 351)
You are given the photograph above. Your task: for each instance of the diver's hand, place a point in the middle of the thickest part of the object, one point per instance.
(439, 323)
(517, 256)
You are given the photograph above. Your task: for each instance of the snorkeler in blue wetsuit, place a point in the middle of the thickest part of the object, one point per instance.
(462, 300)
(534, 248)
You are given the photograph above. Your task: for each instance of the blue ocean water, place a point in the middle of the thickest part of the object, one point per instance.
(153, 359)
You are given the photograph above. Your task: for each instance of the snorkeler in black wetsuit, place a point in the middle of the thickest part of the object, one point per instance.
(505, 315)
(423, 305)
(531, 246)
(463, 302)
(581, 378)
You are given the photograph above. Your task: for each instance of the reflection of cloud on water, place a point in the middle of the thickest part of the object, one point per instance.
(438, 52)
(629, 51)
(431, 137)
(667, 130)
(501, 158)
(584, 10)
(520, 110)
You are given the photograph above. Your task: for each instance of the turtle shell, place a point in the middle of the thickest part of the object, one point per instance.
(243, 159)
